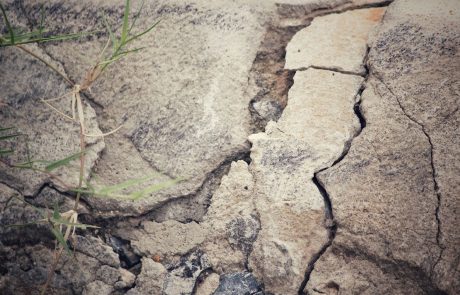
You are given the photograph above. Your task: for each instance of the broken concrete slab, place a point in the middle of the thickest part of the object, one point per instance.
(310, 135)
(189, 113)
(412, 60)
(165, 240)
(231, 222)
(369, 194)
(335, 41)
(415, 54)
(257, 208)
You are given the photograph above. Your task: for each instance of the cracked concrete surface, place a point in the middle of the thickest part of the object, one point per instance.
(319, 140)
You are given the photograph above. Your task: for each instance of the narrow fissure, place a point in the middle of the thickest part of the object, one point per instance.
(330, 224)
(433, 173)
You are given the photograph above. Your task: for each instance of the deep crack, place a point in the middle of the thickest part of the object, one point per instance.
(330, 223)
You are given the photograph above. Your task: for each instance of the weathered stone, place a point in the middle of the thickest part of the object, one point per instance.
(151, 279)
(285, 158)
(208, 285)
(14, 210)
(231, 222)
(97, 287)
(166, 239)
(117, 278)
(181, 101)
(401, 217)
(124, 250)
(238, 283)
(383, 201)
(46, 135)
(182, 277)
(416, 55)
(73, 274)
(335, 41)
(188, 103)
(348, 271)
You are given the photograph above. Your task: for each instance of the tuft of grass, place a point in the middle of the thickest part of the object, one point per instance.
(5, 134)
(63, 225)
(15, 37)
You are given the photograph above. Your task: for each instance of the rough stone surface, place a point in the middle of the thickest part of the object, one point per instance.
(182, 276)
(26, 256)
(166, 239)
(231, 223)
(422, 71)
(238, 283)
(151, 279)
(335, 41)
(181, 125)
(46, 135)
(382, 222)
(285, 158)
(97, 287)
(209, 285)
(350, 189)
(395, 195)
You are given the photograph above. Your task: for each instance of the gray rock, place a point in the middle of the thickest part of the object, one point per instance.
(243, 283)
(364, 189)
(188, 104)
(231, 222)
(97, 287)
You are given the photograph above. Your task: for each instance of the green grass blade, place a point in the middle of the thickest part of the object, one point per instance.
(6, 129)
(124, 185)
(118, 56)
(59, 163)
(63, 37)
(111, 35)
(47, 39)
(153, 188)
(77, 225)
(23, 37)
(42, 21)
(136, 16)
(7, 23)
(124, 31)
(6, 152)
(60, 239)
(143, 33)
(9, 136)
(56, 214)
(29, 163)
